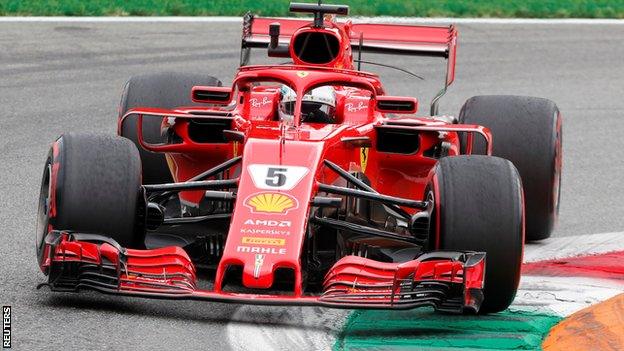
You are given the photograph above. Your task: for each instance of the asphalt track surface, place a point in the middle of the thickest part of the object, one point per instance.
(60, 77)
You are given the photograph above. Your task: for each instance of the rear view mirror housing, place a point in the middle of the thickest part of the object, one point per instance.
(396, 104)
(211, 95)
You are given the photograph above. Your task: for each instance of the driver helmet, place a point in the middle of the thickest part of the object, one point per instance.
(317, 106)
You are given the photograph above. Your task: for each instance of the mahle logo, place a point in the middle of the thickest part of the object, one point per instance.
(271, 203)
(261, 250)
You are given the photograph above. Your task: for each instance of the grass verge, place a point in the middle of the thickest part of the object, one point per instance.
(420, 8)
(422, 329)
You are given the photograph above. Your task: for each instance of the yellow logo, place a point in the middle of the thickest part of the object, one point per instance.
(235, 148)
(363, 158)
(271, 203)
(263, 241)
(302, 74)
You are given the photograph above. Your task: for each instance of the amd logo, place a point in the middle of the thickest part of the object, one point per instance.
(268, 223)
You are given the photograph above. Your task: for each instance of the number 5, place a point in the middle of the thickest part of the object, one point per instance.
(276, 177)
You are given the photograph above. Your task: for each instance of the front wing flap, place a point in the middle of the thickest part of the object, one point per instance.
(448, 281)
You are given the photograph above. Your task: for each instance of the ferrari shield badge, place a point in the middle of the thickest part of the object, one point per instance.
(302, 74)
(235, 148)
(363, 158)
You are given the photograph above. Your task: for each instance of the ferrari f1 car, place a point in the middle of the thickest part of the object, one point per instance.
(304, 183)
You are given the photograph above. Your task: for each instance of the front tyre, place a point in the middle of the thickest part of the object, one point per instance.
(479, 207)
(91, 184)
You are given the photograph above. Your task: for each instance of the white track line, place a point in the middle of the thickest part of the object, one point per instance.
(132, 19)
(284, 328)
(570, 246)
(562, 295)
(566, 295)
(381, 19)
(290, 328)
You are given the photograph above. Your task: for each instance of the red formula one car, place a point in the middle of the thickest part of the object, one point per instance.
(304, 183)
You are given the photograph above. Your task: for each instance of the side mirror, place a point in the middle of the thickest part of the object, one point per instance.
(211, 95)
(397, 104)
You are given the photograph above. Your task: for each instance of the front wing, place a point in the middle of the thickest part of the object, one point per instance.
(448, 281)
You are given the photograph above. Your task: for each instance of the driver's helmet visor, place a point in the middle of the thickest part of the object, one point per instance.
(307, 107)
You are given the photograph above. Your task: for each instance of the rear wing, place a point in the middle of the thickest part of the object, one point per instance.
(415, 40)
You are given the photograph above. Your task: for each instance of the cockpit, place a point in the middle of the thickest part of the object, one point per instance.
(296, 95)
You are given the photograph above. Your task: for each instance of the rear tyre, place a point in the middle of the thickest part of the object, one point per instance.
(91, 184)
(161, 90)
(479, 208)
(526, 131)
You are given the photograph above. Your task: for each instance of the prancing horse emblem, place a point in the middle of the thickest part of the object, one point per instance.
(363, 158)
(258, 265)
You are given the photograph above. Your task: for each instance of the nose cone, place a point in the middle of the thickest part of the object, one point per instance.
(258, 274)
(272, 204)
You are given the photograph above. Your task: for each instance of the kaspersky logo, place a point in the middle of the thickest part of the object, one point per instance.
(270, 202)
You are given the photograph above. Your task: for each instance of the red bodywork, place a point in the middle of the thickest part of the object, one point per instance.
(268, 226)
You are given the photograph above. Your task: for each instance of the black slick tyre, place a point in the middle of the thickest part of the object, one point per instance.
(527, 131)
(478, 207)
(162, 90)
(92, 184)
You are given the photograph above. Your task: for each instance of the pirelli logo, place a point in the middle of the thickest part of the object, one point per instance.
(263, 241)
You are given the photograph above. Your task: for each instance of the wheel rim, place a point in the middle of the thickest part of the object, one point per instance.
(43, 214)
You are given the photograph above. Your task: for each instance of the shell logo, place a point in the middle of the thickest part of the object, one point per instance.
(271, 203)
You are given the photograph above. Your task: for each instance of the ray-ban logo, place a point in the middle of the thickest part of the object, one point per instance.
(6, 327)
